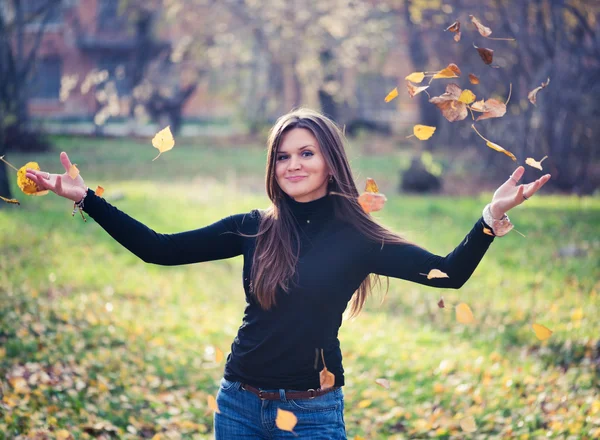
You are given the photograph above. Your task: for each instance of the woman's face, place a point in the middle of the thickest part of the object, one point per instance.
(300, 167)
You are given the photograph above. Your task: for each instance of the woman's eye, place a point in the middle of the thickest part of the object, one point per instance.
(281, 157)
(310, 153)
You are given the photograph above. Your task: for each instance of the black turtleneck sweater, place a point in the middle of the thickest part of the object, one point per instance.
(277, 348)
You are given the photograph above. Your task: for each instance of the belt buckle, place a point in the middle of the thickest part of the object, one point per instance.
(314, 393)
(260, 395)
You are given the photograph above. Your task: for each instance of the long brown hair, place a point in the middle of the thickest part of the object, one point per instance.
(275, 260)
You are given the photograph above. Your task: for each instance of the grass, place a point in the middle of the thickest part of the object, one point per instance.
(94, 341)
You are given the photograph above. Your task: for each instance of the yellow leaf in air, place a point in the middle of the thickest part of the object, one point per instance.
(285, 420)
(488, 232)
(451, 71)
(63, 434)
(436, 273)
(415, 77)
(364, 403)
(385, 383)
(494, 146)
(73, 171)
(99, 191)
(218, 355)
(326, 378)
(371, 186)
(473, 78)
(11, 201)
(541, 331)
(467, 96)
(163, 141)
(464, 314)
(28, 186)
(468, 424)
(414, 90)
(534, 163)
(423, 132)
(212, 404)
(393, 94)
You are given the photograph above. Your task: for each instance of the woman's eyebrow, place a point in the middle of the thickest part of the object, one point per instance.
(299, 148)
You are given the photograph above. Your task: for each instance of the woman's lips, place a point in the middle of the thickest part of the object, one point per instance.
(295, 179)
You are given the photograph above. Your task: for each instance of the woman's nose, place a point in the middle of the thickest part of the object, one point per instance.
(294, 164)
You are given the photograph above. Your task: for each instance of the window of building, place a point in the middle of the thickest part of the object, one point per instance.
(45, 83)
(118, 71)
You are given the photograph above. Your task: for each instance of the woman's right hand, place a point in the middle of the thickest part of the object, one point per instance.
(61, 184)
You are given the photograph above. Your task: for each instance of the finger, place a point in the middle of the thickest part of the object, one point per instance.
(519, 195)
(516, 175)
(38, 180)
(58, 186)
(64, 159)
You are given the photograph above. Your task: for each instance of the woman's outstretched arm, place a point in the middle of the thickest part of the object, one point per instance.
(217, 241)
(410, 262)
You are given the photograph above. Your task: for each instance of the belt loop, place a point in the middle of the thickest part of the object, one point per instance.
(282, 395)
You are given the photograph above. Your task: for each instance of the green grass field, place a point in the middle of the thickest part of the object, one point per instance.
(94, 342)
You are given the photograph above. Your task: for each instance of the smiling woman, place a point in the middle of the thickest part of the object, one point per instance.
(308, 255)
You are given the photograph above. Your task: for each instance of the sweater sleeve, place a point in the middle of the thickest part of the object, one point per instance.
(214, 242)
(413, 263)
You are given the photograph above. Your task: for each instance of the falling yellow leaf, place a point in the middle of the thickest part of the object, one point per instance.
(464, 314)
(99, 191)
(371, 186)
(467, 96)
(541, 332)
(435, 273)
(285, 420)
(473, 79)
(488, 232)
(393, 94)
(11, 201)
(163, 141)
(423, 132)
(532, 96)
(415, 77)
(218, 355)
(535, 164)
(494, 146)
(28, 186)
(385, 383)
(212, 404)
(414, 90)
(468, 424)
(73, 171)
(451, 71)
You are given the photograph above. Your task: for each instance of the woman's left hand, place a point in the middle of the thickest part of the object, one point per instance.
(510, 194)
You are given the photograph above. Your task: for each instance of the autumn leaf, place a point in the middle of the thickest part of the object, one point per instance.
(494, 146)
(371, 186)
(26, 185)
(492, 108)
(63, 434)
(535, 164)
(487, 55)
(464, 315)
(435, 273)
(440, 303)
(450, 71)
(423, 132)
(326, 377)
(452, 109)
(541, 332)
(468, 424)
(163, 141)
(414, 90)
(73, 171)
(483, 30)
(11, 201)
(467, 96)
(212, 404)
(219, 356)
(532, 96)
(99, 191)
(385, 383)
(455, 28)
(473, 79)
(415, 77)
(285, 420)
(393, 94)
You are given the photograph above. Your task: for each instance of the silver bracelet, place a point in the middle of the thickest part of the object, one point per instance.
(501, 226)
(79, 205)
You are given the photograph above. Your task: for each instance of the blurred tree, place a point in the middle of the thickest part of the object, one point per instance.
(22, 26)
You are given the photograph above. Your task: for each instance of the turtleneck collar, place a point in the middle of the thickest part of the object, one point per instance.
(306, 212)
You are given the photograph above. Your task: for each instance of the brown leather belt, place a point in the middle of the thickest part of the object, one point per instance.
(274, 395)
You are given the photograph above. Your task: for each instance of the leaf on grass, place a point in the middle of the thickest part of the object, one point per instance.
(415, 77)
(99, 191)
(26, 185)
(393, 94)
(73, 171)
(468, 424)
(494, 146)
(100, 428)
(435, 273)
(440, 303)
(467, 96)
(423, 132)
(488, 231)
(452, 109)
(63, 434)
(414, 90)
(326, 377)
(487, 55)
(450, 71)
(464, 315)
(385, 383)
(532, 96)
(286, 420)
(371, 186)
(473, 79)
(212, 404)
(163, 141)
(11, 201)
(534, 163)
(483, 30)
(455, 28)
(541, 332)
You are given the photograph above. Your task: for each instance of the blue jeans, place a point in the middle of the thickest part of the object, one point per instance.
(244, 416)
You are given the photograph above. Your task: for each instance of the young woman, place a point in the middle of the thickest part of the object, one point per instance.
(306, 257)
